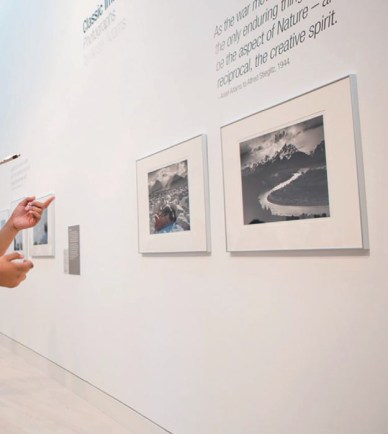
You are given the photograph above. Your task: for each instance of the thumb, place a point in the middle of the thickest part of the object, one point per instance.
(12, 256)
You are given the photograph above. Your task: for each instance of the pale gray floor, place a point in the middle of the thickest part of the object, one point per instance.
(32, 403)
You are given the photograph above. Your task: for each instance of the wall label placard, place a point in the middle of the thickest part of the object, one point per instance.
(74, 250)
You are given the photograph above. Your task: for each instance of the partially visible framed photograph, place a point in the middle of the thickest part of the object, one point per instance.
(42, 236)
(20, 242)
(172, 190)
(293, 175)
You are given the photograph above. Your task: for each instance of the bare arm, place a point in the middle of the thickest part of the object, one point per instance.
(7, 234)
(26, 215)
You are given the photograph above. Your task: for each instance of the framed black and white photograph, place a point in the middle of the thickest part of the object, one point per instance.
(293, 174)
(42, 236)
(173, 199)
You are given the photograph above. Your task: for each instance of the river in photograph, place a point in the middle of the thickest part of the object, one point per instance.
(299, 194)
(291, 210)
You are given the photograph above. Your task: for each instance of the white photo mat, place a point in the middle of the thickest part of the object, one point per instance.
(345, 228)
(42, 236)
(193, 154)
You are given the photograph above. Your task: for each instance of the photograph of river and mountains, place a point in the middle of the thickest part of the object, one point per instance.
(169, 187)
(284, 175)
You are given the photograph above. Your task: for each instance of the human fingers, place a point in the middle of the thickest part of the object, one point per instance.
(36, 207)
(48, 201)
(12, 256)
(27, 200)
(18, 279)
(25, 266)
(39, 206)
(22, 277)
(36, 215)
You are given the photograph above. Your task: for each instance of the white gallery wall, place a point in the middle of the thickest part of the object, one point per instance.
(198, 343)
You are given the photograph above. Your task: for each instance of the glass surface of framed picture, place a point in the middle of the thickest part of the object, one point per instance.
(293, 175)
(172, 188)
(42, 236)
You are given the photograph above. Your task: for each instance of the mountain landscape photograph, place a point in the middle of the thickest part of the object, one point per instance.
(169, 185)
(284, 174)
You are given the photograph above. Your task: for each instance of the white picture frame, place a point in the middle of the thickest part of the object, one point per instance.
(176, 176)
(42, 236)
(254, 152)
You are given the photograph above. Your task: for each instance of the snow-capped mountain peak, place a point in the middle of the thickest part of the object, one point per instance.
(287, 151)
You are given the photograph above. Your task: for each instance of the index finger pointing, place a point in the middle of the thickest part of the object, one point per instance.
(48, 201)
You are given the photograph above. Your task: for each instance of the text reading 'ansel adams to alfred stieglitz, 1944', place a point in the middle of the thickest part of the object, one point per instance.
(257, 40)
